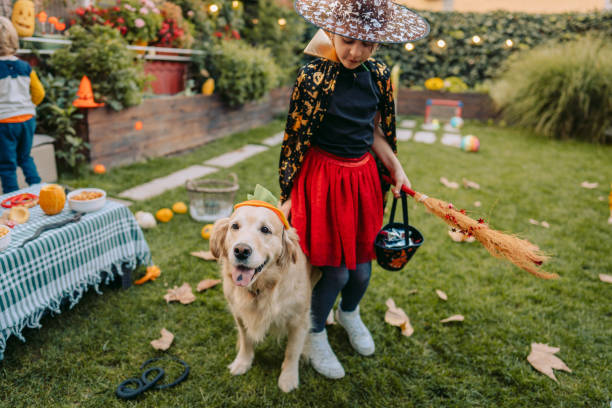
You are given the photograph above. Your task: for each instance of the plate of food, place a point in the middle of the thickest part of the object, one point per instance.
(5, 237)
(86, 199)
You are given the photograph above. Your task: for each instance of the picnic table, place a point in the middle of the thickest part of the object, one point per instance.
(64, 263)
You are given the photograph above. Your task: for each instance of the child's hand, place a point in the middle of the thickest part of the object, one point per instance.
(400, 178)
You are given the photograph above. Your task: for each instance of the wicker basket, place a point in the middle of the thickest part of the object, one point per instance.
(210, 199)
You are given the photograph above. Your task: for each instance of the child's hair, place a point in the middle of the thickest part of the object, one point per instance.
(9, 41)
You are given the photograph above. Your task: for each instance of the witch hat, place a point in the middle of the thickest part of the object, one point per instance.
(85, 95)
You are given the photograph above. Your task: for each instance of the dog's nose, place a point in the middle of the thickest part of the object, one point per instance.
(242, 251)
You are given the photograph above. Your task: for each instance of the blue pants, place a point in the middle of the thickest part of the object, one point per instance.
(353, 285)
(15, 145)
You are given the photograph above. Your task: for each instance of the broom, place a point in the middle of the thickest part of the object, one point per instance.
(520, 252)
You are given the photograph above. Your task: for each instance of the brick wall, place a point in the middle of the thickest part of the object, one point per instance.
(172, 124)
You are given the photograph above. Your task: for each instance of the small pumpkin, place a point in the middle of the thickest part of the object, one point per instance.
(164, 215)
(208, 87)
(179, 207)
(52, 199)
(19, 214)
(206, 231)
(23, 18)
(99, 169)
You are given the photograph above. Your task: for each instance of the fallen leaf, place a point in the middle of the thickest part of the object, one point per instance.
(588, 185)
(441, 294)
(330, 318)
(182, 294)
(545, 224)
(605, 278)
(207, 284)
(153, 273)
(164, 342)
(205, 255)
(453, 318)
(543, 359)
(534, 222)
(477, 204)
(396, 316)
(412, 292)
(449, 184)
(470, 184)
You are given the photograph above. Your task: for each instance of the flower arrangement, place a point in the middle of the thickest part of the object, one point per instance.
(449, 84)
(174, 31)
(136, 20)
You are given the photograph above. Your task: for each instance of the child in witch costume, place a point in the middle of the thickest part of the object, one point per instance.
(341, 111)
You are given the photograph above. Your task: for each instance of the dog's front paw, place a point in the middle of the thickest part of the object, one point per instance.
(288, 380)
(240, 365)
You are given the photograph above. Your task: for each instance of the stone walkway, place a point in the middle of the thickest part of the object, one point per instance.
(155, 187)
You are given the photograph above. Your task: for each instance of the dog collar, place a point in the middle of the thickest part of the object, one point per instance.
(259, 203)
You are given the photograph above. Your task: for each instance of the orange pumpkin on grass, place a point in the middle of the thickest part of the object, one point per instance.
(52, 199)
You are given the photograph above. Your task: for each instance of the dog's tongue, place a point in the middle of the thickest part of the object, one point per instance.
(242, 277)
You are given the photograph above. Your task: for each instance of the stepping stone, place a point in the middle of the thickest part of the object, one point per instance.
(404, 135)
(156, 187)
(120, 201)
(407, 123)
(451, 139)
(449, 128)
(425, 137)
(430, 126)
(274, 140)
(229, 159)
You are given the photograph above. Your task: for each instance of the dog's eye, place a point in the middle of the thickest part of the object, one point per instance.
(265, 230)
(235, 226)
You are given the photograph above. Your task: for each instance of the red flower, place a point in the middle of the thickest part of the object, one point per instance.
(116, 8)
(218, 34)
(80, 12)
(480, 221)
(236, 34)
(120, 20)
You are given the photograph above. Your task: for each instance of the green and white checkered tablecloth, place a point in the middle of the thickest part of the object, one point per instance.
(64, 262)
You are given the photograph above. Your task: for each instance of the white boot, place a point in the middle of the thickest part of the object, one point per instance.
(359, 335)
(322, 357)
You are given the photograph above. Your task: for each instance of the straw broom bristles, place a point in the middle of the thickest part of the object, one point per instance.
(520, 252)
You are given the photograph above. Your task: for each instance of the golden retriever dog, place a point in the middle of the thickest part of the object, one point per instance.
(267, 284)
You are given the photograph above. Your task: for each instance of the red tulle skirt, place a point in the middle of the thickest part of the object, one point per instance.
(337, 208)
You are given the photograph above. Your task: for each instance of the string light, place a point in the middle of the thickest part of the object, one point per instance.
(509, 43)
(235, 4)
(441, 43)
(213, 8)
(476, 39)
(255, 21)
(409, 46)
(282, 22)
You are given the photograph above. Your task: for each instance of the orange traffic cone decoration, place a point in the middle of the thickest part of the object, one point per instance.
(85, 95)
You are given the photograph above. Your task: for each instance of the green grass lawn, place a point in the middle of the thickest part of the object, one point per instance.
(79, 357)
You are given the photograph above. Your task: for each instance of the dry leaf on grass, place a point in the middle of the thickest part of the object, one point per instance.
(545, 224)
(330, 318)
(412, 292)
(205, 255)
(441, 294)
(477, 204)
(396, 316)
(182, 294)
(543, 359)
(453, 318)
(605, 278)
(207, 284)
(449, 184)
(470, 184)
(164, 342)
(534, 222)
(588, 185)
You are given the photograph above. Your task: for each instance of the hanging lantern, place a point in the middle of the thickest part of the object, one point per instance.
(476, 40)
(409, 46)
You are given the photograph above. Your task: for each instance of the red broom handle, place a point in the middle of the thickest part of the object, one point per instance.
(405, 188)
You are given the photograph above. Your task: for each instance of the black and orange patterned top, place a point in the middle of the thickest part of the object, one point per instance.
(309, 101)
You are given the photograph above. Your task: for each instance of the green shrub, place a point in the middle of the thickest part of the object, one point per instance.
(286, 42)
(474, 63)
(101, 54)
(57, 117)
(563, 90)
(243, 73)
